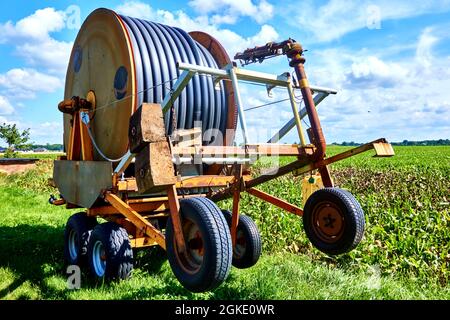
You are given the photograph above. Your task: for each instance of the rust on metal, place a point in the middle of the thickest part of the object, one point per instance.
(175, 216)
(73, 105)
(74, 147)
(294, 51)
(82, 182)
(128, 184)
(205, 181)
(295, 54)
(248, 150)
(142, 242)
(237, 186)
(341, 156)
(141, 223)
(138, 207)
(328, 222)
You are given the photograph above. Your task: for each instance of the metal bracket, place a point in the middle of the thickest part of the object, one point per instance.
(383, 149)
(282, 77)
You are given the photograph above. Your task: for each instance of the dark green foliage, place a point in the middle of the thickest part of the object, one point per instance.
(405, 253)
(15, 138)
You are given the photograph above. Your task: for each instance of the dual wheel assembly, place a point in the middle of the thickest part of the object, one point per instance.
(333, 221)
(105, 249)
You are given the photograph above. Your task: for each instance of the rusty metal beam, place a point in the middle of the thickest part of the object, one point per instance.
(74, 148)
(142, 242)
(127, 185)
(248, 150)
(205, 181)
(277, 172)
(305, 165)
(190, 182)
(253, 182)
(347, 154)
(140, 222)
(138, 207)
(381, 144)
(280, 203)
(236, 199)
(176, 218)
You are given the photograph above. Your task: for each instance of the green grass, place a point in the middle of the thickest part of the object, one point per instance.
(404, 255)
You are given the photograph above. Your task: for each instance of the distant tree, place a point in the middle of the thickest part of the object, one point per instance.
(15, 139)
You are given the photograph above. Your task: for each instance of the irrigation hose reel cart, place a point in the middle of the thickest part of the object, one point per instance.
(135, 157)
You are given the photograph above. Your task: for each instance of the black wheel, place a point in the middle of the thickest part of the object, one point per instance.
(76, 237)
(333, 220)
(109, 252)
(247, 249)
(207, 260)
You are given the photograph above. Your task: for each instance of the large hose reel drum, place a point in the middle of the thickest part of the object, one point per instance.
(127, 61)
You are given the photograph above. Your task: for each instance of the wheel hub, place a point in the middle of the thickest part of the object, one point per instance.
(99, 259)
(73, 244)
(329, 222)
(191, 260)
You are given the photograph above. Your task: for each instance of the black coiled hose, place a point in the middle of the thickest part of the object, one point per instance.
(157, 49)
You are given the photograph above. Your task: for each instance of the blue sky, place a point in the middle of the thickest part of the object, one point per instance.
(390, 60)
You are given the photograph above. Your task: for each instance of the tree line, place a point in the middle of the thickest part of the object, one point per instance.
(439, 142)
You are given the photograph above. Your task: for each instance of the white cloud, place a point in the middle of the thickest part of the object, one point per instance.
(136, 9)
(371, 72)
(46, 132)
(5, 106)
(31, 36)
(232, 41)
(52, 55)
(36, 26)
(41, 23)
(424, 48)
(336, 18)
(40, 133)
(378, 95)
(25, 83)
(228, 11)
(381, 97)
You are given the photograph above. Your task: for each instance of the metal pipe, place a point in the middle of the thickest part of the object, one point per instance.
(296, 115)
(291, 123)
(179, 86)
(310, 106)
(237, 98)
(210, 160)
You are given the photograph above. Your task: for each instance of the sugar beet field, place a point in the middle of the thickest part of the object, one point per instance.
(404, 254)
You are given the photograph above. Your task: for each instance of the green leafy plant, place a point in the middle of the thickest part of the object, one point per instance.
(15, 138)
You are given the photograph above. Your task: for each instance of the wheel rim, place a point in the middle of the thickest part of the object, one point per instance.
(191, 260)
(99, 258)
(328, 222)
(73, 244)
(240, 246)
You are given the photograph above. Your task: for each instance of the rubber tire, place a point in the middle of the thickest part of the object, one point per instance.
(83, 225)
(119, 254)
(218, 253)
(353, 216)
(252, 238)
